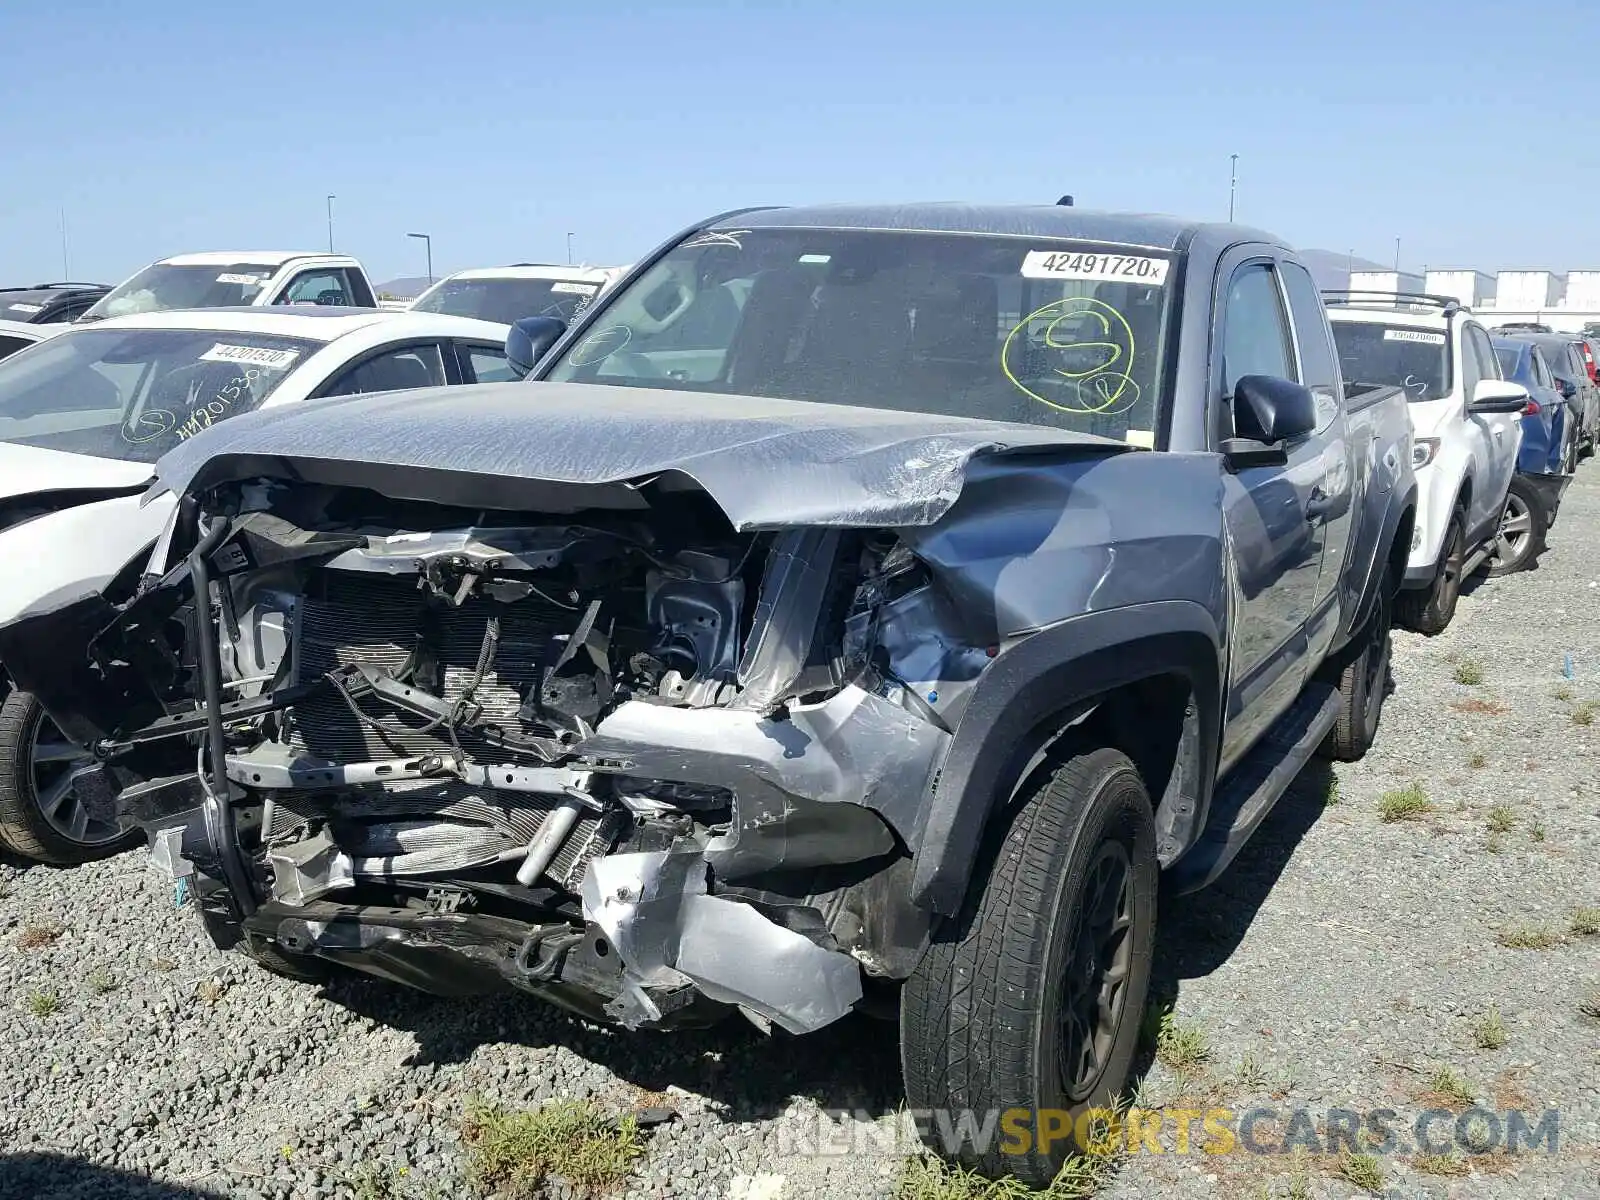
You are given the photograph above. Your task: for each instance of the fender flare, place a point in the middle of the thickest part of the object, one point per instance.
(1399, 505)
(1032, 688)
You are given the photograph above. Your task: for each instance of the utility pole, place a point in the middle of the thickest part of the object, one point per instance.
(569, 249)
(66, 266)
(1233, 183)
(1397, 255)
(331, 199)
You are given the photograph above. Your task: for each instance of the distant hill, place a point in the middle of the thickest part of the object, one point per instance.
(1331, 268)
(406, 288)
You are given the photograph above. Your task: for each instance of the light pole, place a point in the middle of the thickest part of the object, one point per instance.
(331, 199)
(1233, 182)
(428, 241)
(569, 249)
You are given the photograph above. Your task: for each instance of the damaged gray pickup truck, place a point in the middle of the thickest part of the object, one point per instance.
(859, 608)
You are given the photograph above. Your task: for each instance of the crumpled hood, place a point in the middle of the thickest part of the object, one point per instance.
(767, 463)
(27, 470)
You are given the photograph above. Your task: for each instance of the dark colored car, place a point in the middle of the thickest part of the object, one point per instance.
(48, 303)
(1544, 463)
(1561, 351)
(858, 600)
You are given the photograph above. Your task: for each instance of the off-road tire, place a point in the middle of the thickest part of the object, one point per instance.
(1428, 610)
(980, 1017)
(1532, 500)
(23, 827)
(1363, 683)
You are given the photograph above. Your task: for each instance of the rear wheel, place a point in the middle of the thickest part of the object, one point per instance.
(1032, 998)
(1429, 610)
(1523, 525)
(1363, 683)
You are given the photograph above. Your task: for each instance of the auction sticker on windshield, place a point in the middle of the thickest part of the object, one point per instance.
(247, 280)
(574, 289)
(1092, 264)
(27, 308)
(1413, 335)
(258, 356)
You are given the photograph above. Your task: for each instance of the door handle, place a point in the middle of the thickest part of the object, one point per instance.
(1318, 505)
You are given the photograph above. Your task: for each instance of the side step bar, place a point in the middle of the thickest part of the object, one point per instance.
(1253, 787)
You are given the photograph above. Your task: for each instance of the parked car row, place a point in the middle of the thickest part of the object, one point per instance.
(842, 601)
(1498, 434)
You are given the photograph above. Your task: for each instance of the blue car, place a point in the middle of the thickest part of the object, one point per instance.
(1546, 430)
(1544, 463)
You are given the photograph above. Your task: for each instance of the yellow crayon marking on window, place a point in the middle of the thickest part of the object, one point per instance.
(1102, 376)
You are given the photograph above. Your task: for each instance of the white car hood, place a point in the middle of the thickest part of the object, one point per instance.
(78, 550)
(26, 470)
(1428, 417)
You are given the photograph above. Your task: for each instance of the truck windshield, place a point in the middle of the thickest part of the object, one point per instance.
(1003, 328)
(508, 300)
(133, 394)
(1417, 360)
(162, 286)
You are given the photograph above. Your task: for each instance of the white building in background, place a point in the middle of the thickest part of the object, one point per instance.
(1583, 289)
(1475, 289)
(1529, 289)
(1385, 281)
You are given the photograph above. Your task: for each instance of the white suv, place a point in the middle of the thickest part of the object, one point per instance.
(1467, 428)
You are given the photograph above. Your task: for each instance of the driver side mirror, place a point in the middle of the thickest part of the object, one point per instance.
(1498, 396)
(1267, 412)
(1567, 388)
(529, 340)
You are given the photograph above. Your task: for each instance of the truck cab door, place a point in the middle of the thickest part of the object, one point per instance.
(1272, 515)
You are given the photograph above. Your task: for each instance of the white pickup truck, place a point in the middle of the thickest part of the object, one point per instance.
(1467, 428)
(231, 278)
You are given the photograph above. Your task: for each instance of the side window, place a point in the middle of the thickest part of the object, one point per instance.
(10, 345)
(317, 287)
(1255, 336)
(1541, 370)
(392, 370)
(487, 364)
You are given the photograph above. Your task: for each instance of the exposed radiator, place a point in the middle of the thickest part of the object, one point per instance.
(442, 826)
(374, 620)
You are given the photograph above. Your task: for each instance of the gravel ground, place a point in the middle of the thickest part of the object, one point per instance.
(1340, 964)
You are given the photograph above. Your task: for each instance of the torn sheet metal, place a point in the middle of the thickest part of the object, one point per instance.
(854, 747)
(670, 934)
(767, 463)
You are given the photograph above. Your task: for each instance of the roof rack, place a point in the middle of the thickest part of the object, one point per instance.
(75, 284)
(1448, 305)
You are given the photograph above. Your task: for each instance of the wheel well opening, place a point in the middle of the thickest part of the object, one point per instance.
(1400, 549)
(1153, 721)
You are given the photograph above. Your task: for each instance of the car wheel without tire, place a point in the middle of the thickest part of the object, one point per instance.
(42, 814)
(1032, 998)
(1523, 525)
(1428, 610)
(1363, 683)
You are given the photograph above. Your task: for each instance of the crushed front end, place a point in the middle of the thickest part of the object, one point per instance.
(642, 764)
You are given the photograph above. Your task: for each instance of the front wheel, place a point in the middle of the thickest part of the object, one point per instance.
(1030, 1002)
(1428, 610)
(1523, 524)
(43, 816)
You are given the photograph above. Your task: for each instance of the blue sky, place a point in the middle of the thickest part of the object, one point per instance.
(499, 127)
